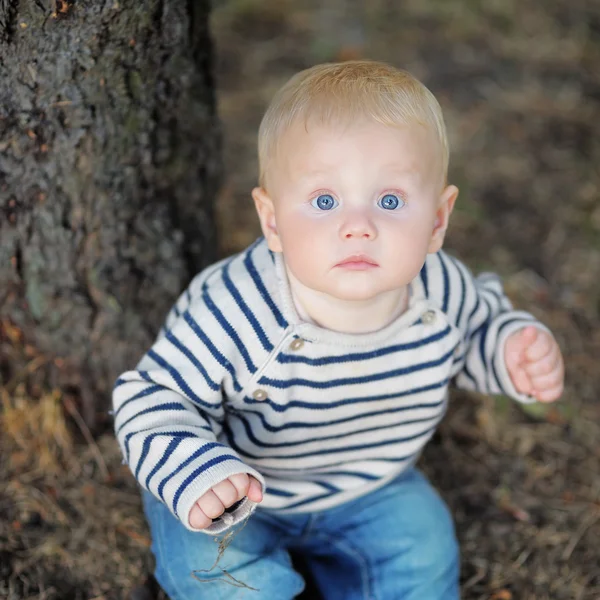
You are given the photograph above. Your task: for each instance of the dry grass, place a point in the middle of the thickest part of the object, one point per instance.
(520, 86)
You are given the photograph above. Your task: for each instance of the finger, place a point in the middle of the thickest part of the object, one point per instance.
(513, 353)
(226, 492)
(211, 505)
(255, 490)
(197, 518)
(546, 382)
(241, 482)
(545, 365)
(550, 395)
(520, 380)
(541, 346)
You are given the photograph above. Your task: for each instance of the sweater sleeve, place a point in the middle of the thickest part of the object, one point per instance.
(486, 318)
(168, 415)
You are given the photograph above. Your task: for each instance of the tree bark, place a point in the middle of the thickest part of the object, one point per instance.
(109, 161)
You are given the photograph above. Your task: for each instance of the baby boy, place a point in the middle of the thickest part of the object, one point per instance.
(297, 382)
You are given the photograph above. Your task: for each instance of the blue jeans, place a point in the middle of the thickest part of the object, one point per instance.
(397, 542)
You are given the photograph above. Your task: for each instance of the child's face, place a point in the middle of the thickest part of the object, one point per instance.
(367, 191)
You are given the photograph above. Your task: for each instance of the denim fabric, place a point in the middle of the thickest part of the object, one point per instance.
(395, 543)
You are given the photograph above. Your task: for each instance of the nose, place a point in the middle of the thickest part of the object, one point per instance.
(358, 225)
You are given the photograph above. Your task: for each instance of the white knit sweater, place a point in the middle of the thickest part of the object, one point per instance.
(237, 383)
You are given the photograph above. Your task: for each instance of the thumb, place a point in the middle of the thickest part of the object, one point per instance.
(255, 490)
(513, 350)
(528, 336)
(513, 357)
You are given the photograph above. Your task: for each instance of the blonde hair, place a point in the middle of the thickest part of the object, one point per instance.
(342, 92)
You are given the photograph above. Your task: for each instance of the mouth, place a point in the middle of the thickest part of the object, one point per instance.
(358, 262)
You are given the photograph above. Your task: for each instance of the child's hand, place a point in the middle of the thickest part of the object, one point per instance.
(535, 363)
(221, 496)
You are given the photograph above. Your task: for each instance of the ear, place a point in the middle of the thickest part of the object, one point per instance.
(442, 215)
(266, 214)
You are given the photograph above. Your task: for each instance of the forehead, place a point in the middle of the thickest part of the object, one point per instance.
(312, 146)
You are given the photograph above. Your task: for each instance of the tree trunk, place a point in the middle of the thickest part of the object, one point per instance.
(109, 161)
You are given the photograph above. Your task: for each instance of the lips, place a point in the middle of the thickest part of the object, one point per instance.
(358, 261)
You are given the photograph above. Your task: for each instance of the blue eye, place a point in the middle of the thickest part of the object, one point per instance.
(324, 202)
(391, 202)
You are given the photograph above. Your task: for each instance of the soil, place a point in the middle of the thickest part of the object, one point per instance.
(519, 83)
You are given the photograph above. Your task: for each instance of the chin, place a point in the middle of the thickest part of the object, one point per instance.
(356, 293)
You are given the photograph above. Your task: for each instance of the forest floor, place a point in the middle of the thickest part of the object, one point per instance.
(519, 82)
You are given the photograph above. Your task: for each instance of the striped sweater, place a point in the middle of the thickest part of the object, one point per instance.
(237, 382)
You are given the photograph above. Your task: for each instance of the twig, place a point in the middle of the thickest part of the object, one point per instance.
(587, 523)
(476, 578)
(30, 367)
(522, 558)
(72, 409)
(228, 578)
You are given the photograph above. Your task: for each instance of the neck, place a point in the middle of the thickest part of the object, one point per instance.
(348, 316)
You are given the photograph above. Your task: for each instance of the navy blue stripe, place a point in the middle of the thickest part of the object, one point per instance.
(145, 375)
(179, 379)
(148, 441)
(322, 469)
(482, 338)
(281, 384)
(346, 434)
(307, 500)
(176, 310)
(284, 358)
(260, 286)
(335, 404)
(367, 476)
(489, 314)
(217, 355)
(463, 293)
(201, 469)
(276, 492)
(328, 486)
(423, 276)
(205, 448)
(167, 406)
(325, 451)
(213, 385)
(218, 315)
(470, 375)
(495, 295)
(266, 344)
(315, 498)
(472, 314)
(170, 449)
(446, 284)
(492, 362)
(129, 436)
(145, 392)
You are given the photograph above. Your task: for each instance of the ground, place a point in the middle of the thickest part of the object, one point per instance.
(519, 82)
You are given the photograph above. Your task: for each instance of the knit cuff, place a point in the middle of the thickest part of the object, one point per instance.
(198, 488)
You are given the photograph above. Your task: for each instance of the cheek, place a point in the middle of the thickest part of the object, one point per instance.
(414, 229)
(410, 241)
(298, 231)
(304, 240)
